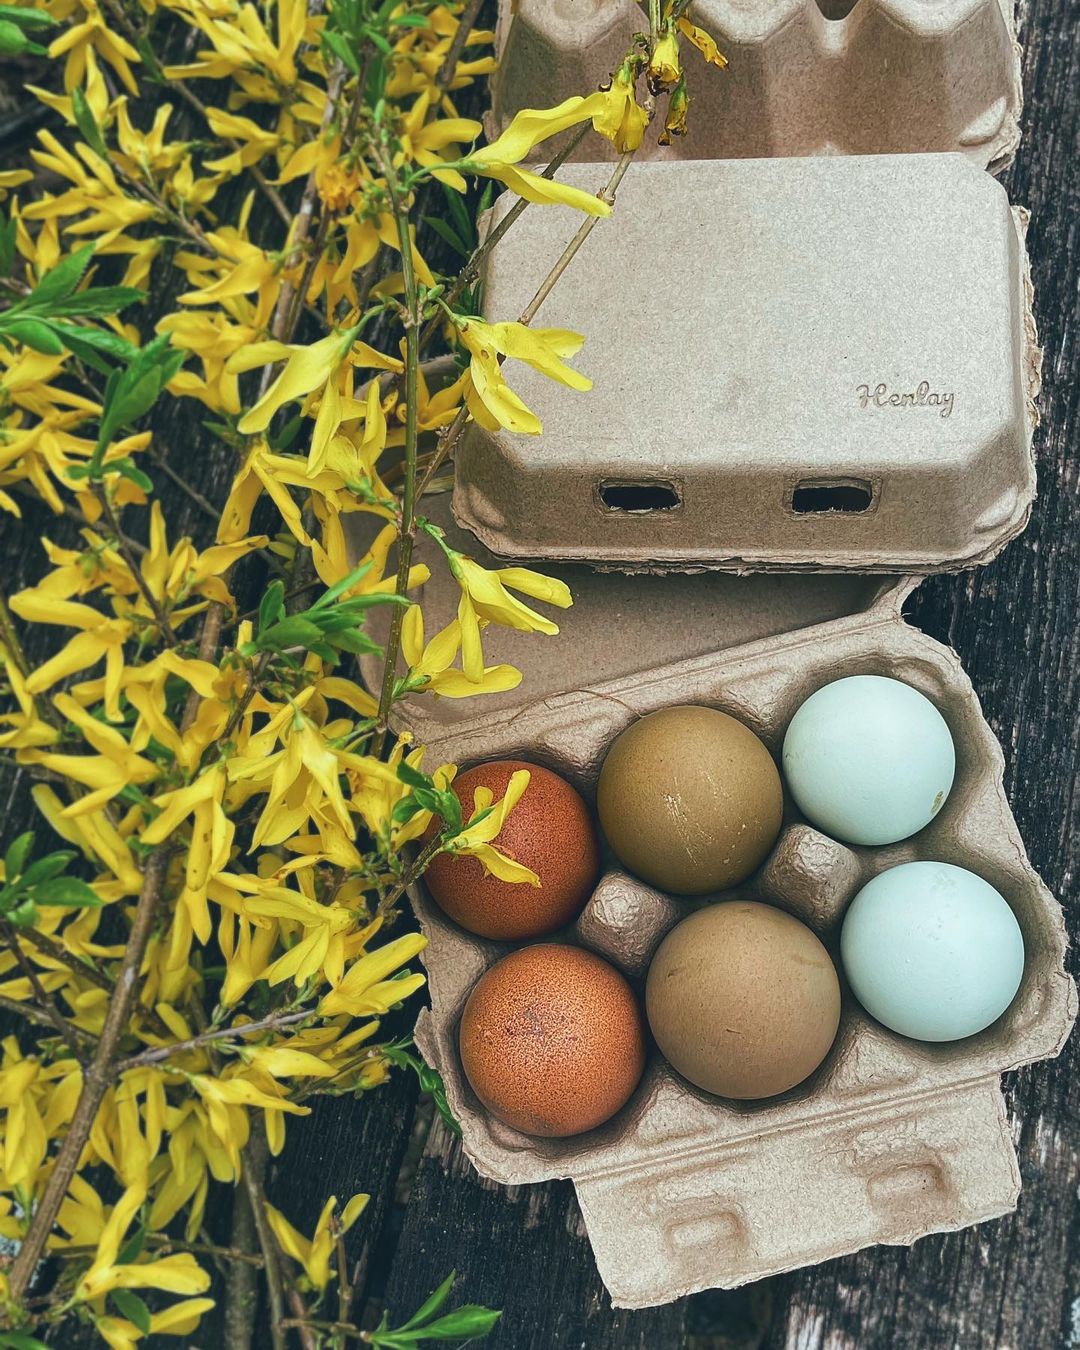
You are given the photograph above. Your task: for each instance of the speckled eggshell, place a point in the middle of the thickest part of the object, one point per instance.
(550, 830)
(690, 800)
(869, 759)
(932, 951)
(552, 1040)
(743, 1000)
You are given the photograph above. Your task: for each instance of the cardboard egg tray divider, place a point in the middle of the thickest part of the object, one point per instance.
(805, 76)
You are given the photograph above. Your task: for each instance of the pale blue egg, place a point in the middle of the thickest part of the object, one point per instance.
(869, 760)
(932, 950)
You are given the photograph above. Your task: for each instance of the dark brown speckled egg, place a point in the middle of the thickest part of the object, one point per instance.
(552, 1040)
(549, 830)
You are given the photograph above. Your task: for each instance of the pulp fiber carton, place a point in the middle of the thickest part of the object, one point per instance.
(890, 272)
(889, 1139)
(804, 76)
(820, 362)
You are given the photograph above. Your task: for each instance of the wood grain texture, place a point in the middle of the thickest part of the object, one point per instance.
(1013, 1284)
(1009, 1285)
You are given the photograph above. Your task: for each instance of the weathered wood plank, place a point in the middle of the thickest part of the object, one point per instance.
(1012, 1284)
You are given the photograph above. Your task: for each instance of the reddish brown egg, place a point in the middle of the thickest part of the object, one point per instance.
(549, 830)
(552, 1040)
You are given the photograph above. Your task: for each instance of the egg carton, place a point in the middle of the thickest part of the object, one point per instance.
(890, 1139)
(826, 363)
(804, 76)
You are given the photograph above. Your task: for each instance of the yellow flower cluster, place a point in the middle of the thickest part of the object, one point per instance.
(212, 949)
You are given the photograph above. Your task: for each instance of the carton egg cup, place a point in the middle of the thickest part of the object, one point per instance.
(889, 1139)
(804, 77)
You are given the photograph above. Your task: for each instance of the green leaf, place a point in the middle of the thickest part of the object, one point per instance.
(61, 281)
(28, 18)
(18, 852)
(413, 777)
(450, 811)
(340, 46)
(463, 222)
(356, 643)
(462, 1324)
(133, 1308)
(19, 1340)
(150, 61)
(289, 632)
(378, 41)
(88, 344)
(100, 301)
(133, 1247)
(38, 336)
(445, 233)
(272, 606)
(87, 123)
(69, 892)
(432, 1304)
(14, 42)
(340, 587)
(128, 469)
(7, 246)
(24, 915)
(46, 868)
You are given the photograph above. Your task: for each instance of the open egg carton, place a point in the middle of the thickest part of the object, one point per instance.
(804, 76)
(889, 1139)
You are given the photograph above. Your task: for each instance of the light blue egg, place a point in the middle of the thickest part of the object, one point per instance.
(869, 760)
(932, 950)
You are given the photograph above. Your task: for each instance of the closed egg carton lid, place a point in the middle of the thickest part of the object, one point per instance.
(803, 77)
(824, 363)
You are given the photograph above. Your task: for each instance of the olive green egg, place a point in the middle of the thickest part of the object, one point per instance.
(690, 800)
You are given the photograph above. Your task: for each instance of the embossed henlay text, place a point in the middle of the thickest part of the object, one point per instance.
(881, 396)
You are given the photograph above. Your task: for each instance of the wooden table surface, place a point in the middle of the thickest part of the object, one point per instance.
(1013, 1283)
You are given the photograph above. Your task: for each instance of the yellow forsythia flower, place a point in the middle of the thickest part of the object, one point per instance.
(529, 127)
(491, 400)
(703, 42)
(431, 664)
(475, 841)
(618, 115)
(315, 1255)
(486, 598)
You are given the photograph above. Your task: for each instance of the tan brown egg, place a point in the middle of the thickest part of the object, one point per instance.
(549, 830)
(552, 1040)
(690, 800)
(743, 1000)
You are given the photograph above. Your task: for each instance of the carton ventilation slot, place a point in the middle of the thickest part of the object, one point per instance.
(815, 498)
(836, 9)
(639, 498)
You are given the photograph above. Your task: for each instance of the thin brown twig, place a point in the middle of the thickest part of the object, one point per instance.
(162, 1241)
(194, 494)
(471, 270)
(48, 945)
(253, 1166)
(345, 1329)
(96, 1079)
(69, 1034)
(445, 77)
(407, 530)
(179, 87)
(156, 608)
(233, 1033)
(449, 440)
